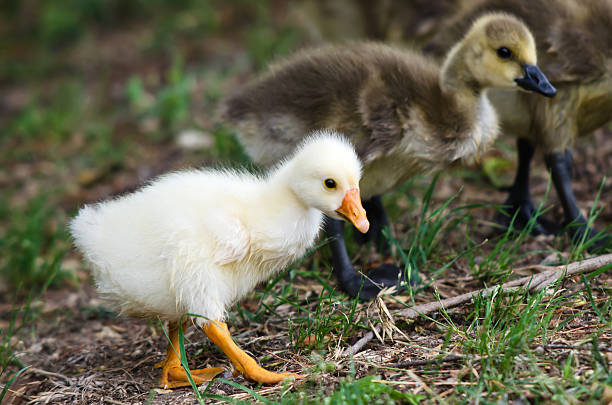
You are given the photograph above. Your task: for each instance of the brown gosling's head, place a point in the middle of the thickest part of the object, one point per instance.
(500, 51)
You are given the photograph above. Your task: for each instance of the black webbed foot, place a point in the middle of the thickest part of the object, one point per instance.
(526, 211)
(560, 165)
(519, 198)
(352, 282)
(595, 241)
(369, 285)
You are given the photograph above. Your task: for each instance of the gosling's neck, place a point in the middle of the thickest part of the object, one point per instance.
(279, 183)
(298, 219)
(457, 79)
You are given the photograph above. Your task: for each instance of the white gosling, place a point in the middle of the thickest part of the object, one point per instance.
(197, 241)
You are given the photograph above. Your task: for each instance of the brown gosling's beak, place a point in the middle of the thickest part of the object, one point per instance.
(352, 210)
(535, 80)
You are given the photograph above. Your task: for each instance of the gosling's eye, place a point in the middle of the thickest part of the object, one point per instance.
(330, 183)
(504, 52)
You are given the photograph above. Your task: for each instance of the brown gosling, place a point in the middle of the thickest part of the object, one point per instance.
(574, 45)
(404, 112)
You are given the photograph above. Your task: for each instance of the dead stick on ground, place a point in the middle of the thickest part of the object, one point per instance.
(46, 373)
(535, 282)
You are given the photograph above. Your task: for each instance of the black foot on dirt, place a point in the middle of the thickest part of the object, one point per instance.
(526, 211)
(367, 287)
(596, 242)
(353, 282)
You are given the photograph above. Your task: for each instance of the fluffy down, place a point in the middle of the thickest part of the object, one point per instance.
(197, 241)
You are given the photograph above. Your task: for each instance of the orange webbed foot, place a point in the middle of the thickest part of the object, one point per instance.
(219, 334)
(173, 373)
(175, 376)
(249, 368)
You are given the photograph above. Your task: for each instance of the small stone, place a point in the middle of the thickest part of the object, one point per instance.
(36, 348)
(107, 333)
(192, 139)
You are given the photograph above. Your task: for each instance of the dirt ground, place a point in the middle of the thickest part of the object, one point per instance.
(79, 353)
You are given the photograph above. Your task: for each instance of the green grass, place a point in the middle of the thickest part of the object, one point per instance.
(318, 318)
(499, 340)
(498, 336)
(350, 390)
(10, 382)
(51, 119)
(421, 242)
(495, 266)
(20, 316)
(33, 246)
(368, 390)
(495, 261)
(170, 105)
(332, 317)
(264, 43)
(581, 244)
(79, 128)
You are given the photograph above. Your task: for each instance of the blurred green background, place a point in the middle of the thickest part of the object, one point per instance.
(97, 96)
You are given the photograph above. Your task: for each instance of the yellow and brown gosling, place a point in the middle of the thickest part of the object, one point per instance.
(574, 45)
(404, 112)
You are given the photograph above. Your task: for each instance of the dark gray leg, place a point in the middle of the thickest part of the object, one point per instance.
(560, 165)
(519, 198)
(350, 280)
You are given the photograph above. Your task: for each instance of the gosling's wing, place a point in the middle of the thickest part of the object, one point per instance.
(232, 241)
(380, 117)
(204, 224)
(405, 85)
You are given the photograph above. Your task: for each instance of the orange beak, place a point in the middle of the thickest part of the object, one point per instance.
(352, 210)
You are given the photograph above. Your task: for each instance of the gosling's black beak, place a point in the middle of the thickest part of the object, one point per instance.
(535, 80)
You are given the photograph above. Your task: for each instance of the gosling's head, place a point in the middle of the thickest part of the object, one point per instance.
(499, 51)
(324, 173)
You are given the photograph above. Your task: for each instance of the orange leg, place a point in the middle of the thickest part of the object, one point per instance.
(173, 374)
(218, 333)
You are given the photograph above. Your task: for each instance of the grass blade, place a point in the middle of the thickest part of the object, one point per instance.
(10, 382)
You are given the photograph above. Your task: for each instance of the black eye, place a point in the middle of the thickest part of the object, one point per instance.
(330, 183)
(504, 52)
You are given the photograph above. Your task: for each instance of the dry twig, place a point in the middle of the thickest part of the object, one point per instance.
(46, 373)
(533, 283)
(417, 363)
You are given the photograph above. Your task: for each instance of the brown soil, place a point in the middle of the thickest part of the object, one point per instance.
(79, 353)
